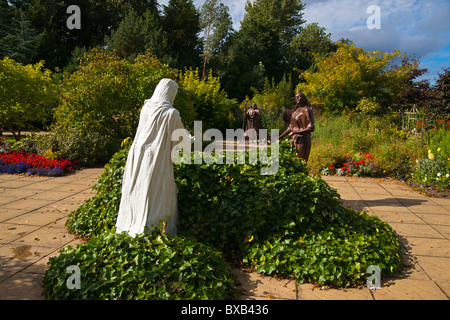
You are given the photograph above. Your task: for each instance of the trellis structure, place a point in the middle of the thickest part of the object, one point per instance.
(412, 120)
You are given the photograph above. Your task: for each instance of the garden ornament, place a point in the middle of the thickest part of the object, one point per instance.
(301, 125)
(149, 192)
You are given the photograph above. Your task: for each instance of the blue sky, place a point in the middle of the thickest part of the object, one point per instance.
(419, 28)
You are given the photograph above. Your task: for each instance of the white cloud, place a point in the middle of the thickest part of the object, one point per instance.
(420, 27)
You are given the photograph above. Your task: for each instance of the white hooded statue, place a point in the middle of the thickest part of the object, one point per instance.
(149, 192)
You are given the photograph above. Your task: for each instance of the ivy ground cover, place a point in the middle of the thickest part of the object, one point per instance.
(290, 224)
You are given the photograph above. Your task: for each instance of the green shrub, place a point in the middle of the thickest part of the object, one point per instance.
(221, 205)
(101, 101)
(440, 137)
(29, 144)
(209, 100)
(394, 150)
(273, 100)
(262, 219)
(325, 155)
(87, 146)
(336, 253)
(147, 267)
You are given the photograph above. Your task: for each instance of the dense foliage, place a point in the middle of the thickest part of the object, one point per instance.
(339, 140)
(290, 223)
(101, 102)
(147, 267)
(26, 95)
(345, 77)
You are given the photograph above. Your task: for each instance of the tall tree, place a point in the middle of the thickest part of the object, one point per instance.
(439, 107)
(268, 28)
(23, 41)
(216, 23)
(261, 47)
(6, 18)
(137, 34)
(310, 42)
(181, 24)
(57, 41)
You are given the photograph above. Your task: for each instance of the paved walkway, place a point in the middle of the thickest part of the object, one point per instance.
(33, 211)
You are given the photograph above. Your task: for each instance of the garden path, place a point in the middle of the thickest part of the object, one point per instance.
(33, 211)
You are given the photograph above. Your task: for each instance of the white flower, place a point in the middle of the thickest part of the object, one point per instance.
(447, 175)
(439, 174)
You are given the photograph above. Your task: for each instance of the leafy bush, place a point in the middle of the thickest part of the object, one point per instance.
(221, 205)
(395, 151)
(342, 79)
(262, 219)
(336, 253)
(101, 102)
(273, 100)
(27, 144)
(88, 147)
(150, 267)
(27, 95)
(209, 100)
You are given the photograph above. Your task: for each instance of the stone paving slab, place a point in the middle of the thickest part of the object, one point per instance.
(33, 211)
(32, 227)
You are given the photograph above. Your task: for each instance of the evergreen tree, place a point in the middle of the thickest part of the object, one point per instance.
(439, 107)
(261, 47)
(267, 30)
(23, 40)
(310, 42)
(181, 25)
(6, 20)
(136, 34)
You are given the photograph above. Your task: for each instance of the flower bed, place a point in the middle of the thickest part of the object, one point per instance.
(34, 164)
(433, 170)
(356, 165)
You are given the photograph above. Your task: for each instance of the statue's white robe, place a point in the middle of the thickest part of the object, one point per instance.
(149, 192)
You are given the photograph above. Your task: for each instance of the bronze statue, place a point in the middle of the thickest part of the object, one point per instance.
(301, 125)
(252, 118)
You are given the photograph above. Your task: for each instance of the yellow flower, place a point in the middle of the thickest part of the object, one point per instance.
(439, 149)
(430, 156)
(248, 239)
(429, 150)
